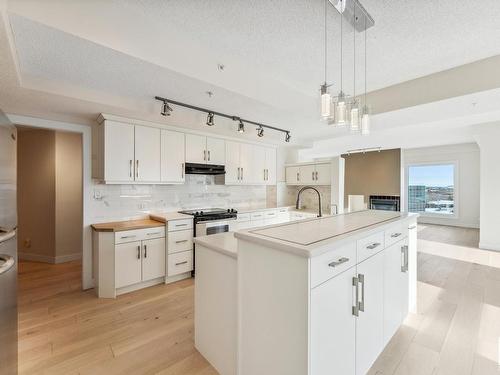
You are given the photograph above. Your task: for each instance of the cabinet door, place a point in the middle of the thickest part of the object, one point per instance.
(216, 151)
(395, 288)
(369, 324)
(118, 151)
(333, 326)
(172, 156)
(232, 163)
(196, 149)
(258, 166)
(246, 163)
(323, 174)
(153, 259)
(292, 175)
(307, 175)
(147, 154)
(270, 166)
(127, 264)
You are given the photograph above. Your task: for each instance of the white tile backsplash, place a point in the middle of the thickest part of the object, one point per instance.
(309, 198)
(123, 202)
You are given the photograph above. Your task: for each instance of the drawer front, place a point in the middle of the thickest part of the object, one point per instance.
(395, 233)
(128, 236)
(180, 263)
(180, 241)
(183, 224)
(243, 217)
(150, 233)
(368, 246)
(256, 216)
(269, 215)
(330, 264)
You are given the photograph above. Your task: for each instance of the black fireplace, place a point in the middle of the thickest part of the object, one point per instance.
(385, 202)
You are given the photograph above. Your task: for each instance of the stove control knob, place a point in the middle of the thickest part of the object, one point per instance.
(229, 210)
(197, 213)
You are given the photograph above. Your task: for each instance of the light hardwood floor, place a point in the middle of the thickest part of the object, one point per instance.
(66, 331)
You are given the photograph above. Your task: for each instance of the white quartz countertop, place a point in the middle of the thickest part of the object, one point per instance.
(314, 236)
(169, 216)
(224, 243)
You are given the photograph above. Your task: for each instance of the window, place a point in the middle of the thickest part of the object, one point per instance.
(431, 189)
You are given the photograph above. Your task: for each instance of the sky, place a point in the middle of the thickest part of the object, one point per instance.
(431, 175)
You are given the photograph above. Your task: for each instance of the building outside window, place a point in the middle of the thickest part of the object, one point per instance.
(431, 189)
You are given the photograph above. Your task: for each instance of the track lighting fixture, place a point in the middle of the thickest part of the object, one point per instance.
(166, 109)
(210, 119)
(241, 127)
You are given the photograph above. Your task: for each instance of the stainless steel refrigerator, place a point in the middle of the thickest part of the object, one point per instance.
(8, 248)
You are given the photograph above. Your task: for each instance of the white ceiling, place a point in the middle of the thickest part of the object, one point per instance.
(113, 56)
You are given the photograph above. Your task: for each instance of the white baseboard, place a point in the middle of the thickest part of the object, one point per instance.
(488, 246)
(49, 259)
(67, 258)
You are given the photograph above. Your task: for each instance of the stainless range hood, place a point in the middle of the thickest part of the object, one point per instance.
(206, 169)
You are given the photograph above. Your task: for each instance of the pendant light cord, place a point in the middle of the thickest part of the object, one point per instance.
(354, 49)
(365, 62)
(326, 40)
(341, 44)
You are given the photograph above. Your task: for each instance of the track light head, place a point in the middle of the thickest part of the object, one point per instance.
(260, 131)
(210, 119)
(241, 127)
(287, 137)
(166, 109)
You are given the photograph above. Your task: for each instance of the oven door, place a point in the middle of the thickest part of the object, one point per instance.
(213, 227)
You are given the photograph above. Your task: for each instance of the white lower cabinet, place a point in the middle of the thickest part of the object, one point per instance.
(333, 326)
(127, 264)
(369, 323)
(153, 259)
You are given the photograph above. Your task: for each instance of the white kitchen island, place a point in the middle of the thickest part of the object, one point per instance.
(321, 296)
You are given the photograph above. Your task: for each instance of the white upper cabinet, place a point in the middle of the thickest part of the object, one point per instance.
(172, 156)
(147, 154)
(258, 166)
(118, 150)
(232, 163)
(309, 174)
(216, 151)
(270, 166)
(196, 149)
(205, 150)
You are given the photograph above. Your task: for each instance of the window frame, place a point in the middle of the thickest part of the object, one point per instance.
(456, 196)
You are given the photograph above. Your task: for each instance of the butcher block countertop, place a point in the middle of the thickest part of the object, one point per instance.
(118, 226)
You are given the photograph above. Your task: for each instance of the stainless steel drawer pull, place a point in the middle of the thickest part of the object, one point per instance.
(338, 262)
(125, 237)
(181, 241)
(373, 245)
(412, 227)
(181, 263)
(145, 251)
(138, 252)
(361, 304)
(180, 225)
(355, 308)
(395, 235)
(153, 233)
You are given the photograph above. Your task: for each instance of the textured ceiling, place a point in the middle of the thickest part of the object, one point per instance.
(120, 53)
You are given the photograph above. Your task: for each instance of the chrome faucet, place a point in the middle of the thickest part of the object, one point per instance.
(297, 204)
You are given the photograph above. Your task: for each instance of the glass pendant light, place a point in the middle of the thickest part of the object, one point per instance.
(355, 104)
(341, 110)
(326, 99)
(365, 119)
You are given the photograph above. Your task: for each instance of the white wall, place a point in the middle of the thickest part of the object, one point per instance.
(488, 138)
(467, 158)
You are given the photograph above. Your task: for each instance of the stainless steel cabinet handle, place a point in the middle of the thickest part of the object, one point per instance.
(6, 263)
(395, 235)
(182, 170)
(138, 252)
(153, 233)
(181, 241)
(298, 176)
(137, 168)
(242, 173)
(181, 263)
(180, 225)
(355, 308)
(373, 245)
(131, 162)
(316, 176)
(406, 258)
(338, 262)
(208, 155)
(238, 173)
(145, 251)
(313, 176)
(205, 155)
(125, 237)
(361, 279)
(412, 227)
(403, 259)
